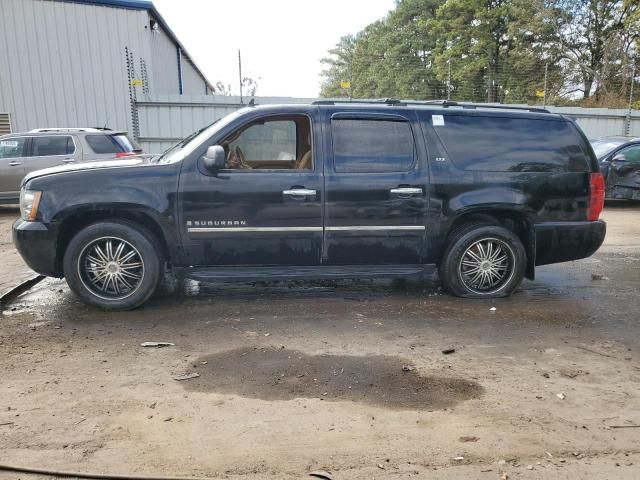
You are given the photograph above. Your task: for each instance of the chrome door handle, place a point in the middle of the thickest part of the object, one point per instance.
(14, 163)
(406, 191)
(299, 192)
(69, 160)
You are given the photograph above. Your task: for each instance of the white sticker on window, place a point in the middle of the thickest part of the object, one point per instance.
(9, 143)
(438, 120)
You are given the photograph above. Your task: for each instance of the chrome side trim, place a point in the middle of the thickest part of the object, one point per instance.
(375, 228)
(252, 229)
(370, 228)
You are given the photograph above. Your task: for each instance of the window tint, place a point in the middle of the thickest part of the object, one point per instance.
(58, 145)
(13, 147)
(110, 144)
(632, 154)
(372, 145)
(502, 144)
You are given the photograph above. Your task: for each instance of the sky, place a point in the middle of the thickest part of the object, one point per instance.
(282, 41)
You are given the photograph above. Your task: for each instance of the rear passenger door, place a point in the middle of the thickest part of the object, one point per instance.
(375, 184)
(50, 151)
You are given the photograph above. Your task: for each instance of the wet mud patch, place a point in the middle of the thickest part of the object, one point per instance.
(281, 374)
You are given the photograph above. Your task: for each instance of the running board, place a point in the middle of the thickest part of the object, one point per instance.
(243, 274)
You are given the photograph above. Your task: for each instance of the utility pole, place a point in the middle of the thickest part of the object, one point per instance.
(627, 128)
(240, 75)
(544, 96)
(449, 81)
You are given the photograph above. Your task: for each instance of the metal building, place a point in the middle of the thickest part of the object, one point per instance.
(72, 63)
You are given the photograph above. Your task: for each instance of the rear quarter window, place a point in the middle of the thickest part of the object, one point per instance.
(104, 144)
(505, 144)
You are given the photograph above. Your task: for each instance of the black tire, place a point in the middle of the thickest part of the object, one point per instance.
(132, 273)
(458, 265)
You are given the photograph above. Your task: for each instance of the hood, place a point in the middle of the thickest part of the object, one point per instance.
(83, 166)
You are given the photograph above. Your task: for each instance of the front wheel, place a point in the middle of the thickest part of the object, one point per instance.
(112, 265)
(483, 261)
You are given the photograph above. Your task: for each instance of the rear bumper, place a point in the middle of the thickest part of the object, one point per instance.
(37, 245)
(564, 241)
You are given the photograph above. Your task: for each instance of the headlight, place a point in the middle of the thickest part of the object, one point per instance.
(29, 201)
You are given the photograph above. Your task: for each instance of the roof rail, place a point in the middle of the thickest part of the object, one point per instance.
(384, 101)
(452, 103)
(442, 103)
(56, 129)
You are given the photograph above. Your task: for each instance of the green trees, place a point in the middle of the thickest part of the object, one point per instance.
(491, 50)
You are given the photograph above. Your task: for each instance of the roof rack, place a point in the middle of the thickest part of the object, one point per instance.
(442, 103)
(384, 101)
(67, 130)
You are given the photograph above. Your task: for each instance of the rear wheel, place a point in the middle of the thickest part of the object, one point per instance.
(483, 261)
(112, 265)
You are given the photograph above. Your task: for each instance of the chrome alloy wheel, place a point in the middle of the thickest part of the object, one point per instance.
(111, 268)
(486, 266)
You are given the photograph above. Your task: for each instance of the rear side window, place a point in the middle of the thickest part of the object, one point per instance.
(54, 145)
(13, 147)
(372, 145)
(502, 144)
(103, 144)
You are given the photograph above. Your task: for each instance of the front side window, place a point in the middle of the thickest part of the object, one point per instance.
(13, 147)
(631, 154)
(372, 145)
(279, 143)
(54, 145)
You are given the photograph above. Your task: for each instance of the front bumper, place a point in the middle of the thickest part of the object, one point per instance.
(565, 241)
(36, 243)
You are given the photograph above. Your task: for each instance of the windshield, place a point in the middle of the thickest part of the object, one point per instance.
(184, 147)
(604, 147)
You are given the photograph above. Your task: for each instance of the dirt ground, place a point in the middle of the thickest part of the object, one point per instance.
(347, 377)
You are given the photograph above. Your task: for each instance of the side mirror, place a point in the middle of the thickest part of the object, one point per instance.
(619, 157)
(213, 160)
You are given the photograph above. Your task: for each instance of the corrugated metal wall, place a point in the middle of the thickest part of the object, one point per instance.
(165, 119)
(192, 82)
(62, 64)
(165, 64)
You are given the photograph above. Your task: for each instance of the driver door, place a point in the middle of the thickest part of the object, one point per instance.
(264, 207)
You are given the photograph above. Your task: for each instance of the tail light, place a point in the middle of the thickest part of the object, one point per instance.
(596, 196)
(125, 154)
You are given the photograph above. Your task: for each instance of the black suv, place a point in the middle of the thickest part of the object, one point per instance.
(478, 194)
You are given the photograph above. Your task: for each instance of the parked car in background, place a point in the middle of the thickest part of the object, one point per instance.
(22, 153)
(478, 194)
(619, 159)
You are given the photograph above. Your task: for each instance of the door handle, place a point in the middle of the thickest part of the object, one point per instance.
(299, 192)
(406, 191)
(69, 160)
(14, 163)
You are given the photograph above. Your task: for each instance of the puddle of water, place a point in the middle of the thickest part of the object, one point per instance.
(281, 374)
